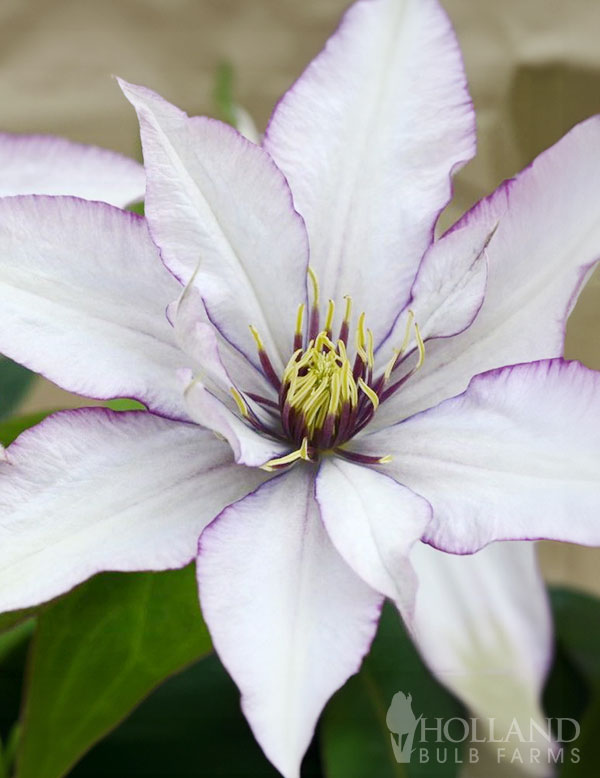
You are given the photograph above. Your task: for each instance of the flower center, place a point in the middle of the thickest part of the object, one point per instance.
(327, 396)
(322, 392)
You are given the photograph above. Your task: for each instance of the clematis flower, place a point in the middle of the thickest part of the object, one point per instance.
(378, 397)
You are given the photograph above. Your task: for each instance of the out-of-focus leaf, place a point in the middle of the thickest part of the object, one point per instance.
(12, 428)
(573, 688)
(8, 620)
(125, 404)
(12, 638)
(7, 752)
(12, 669)
(355, 738)
(577, 623)
(566, 693)
(223, 93)
(584, 758)
(137, 207)
(97, 653)
(190, 727)
(15, 380)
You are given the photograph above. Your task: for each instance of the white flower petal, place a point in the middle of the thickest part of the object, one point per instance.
(94, 490)
(517, 456)
(368, 138)
(44, 164)
(447, 294)
(83, 295)
(250, 447)
(483, 625)
(214, 357)
(546, 244)
(288, 617)
(218, 207)
(373, 522)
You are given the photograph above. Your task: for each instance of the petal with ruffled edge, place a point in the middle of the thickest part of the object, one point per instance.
(517, 456)
(288, 618)
(368, 138)
(83, 295)
(483, 625)
(93, 490)
(544, 249)
(219, 208)
(373, 522)
(45, 164)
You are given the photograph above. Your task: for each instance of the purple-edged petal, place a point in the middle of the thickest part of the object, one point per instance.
(83, 295)
(211, 354)
(483, 625)
(250, 447)
(546, 243)
(517, 456)
(368, 138)
(218, 207)
(44, 164)
(448, 291)
(373, 522)
(288, 618)
(94, 490)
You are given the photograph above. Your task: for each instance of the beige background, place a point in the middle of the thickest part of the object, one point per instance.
(533, 67)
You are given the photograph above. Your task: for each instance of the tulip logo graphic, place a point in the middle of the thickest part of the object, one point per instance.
(402, 722)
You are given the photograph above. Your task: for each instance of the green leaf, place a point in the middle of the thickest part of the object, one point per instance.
(191, 726)
(573, 688)
(355, 738)
(223, 93)
(12, 638)
(12, 428)
(136, 207)
(8, 753)
(12, 670)
(577, 625)
(15, 381)
(583, 759)
(9, 620)
(97, 653)
(125, 404)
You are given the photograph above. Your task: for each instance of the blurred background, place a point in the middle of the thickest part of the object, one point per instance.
(533, 68)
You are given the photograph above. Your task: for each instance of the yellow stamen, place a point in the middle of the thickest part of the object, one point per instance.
(240, 402)
(360, 332)
(348, 311)
(256, 336)
(391, 365)
(349, 389)
(315, 284)
(361, 339)
(370, 349)
(420, 346)
(300, 319)
(275, 464)
(372, 395)
(409, 322)
(329, 317)
(385, 460)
